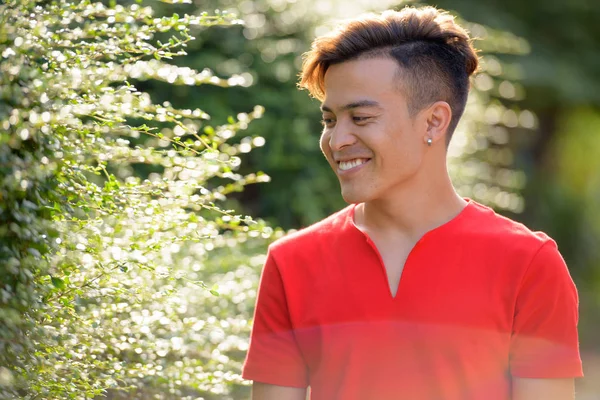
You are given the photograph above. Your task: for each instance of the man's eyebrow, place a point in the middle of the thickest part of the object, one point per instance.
(356, 104)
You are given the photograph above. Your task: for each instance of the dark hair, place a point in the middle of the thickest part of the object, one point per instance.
(435, 55)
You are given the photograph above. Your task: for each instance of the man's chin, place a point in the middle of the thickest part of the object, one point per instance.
(353, 196)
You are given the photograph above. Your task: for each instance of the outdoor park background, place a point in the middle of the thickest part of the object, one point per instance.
(121, 274)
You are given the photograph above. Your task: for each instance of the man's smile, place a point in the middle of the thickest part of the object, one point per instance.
(352, 164)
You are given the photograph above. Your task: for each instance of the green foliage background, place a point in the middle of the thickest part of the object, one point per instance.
(123, 274)
(128, 266)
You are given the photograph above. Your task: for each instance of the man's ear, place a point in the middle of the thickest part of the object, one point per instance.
(438, 115)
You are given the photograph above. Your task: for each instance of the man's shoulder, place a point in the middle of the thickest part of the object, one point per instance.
(504, 231)
(326, 229)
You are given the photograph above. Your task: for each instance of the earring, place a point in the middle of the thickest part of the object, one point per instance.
(429, 142)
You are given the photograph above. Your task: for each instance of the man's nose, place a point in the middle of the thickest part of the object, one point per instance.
(341, 136)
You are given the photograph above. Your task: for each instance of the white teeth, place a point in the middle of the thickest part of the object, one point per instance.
(346, 165)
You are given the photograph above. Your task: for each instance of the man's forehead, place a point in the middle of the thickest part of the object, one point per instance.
(360, 103)
(362, 69)
(360, 83)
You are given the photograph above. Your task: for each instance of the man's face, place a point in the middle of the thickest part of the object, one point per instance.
(369, 139)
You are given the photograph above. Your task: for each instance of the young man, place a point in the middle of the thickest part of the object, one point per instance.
(411, 292)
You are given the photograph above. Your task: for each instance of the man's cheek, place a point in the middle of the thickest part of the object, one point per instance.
(323, 144)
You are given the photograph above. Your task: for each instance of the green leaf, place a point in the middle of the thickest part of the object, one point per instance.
(58, 283)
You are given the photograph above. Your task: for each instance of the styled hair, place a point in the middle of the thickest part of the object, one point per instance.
(435, 55)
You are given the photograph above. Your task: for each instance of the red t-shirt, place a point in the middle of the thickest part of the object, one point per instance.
(481, 299)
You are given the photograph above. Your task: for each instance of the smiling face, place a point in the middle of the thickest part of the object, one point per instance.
(372, 143)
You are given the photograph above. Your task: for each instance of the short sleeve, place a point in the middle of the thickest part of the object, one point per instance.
(274, 356)
(544, 341)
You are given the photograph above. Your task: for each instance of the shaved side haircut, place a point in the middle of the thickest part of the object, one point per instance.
(435, 56)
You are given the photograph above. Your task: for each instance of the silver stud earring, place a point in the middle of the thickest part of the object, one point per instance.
(429, 142)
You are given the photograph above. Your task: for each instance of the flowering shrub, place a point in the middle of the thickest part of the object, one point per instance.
(123, 271)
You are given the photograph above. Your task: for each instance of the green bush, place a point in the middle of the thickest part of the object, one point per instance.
(122, 271)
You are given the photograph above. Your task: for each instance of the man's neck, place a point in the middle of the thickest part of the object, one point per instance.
(411, 211)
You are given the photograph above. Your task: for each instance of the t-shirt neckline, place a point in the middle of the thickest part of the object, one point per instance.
(447, 225)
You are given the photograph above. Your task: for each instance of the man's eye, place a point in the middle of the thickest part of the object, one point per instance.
(360, 119)
(327, 121)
